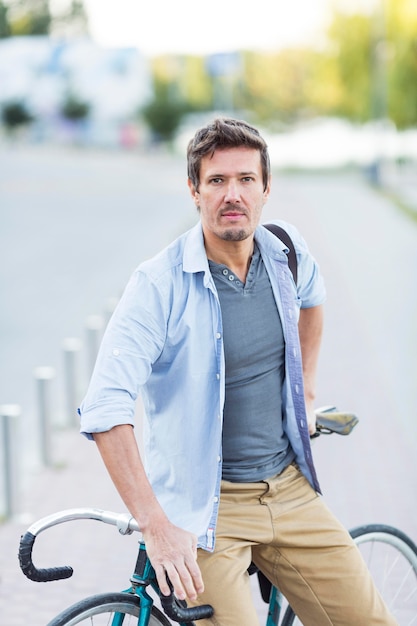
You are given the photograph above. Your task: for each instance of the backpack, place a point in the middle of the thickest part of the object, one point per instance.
(282, 234)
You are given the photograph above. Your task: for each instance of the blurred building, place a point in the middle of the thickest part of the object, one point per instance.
(44, 73)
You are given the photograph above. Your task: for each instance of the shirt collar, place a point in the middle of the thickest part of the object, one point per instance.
(195, 257)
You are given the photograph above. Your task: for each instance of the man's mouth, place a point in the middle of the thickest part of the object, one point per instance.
(232, 213)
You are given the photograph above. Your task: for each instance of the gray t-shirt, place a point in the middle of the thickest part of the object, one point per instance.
(255, 445)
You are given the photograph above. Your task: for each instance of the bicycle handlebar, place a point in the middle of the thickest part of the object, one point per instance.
(125, 524)
(178, 611)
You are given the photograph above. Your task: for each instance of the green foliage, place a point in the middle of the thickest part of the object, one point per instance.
(402, 92)
(164, 112)
(5, 30)
(351, 44)
(74, 108)
(29, 17)
(275, 84)
(33, 17)
(402, 62)
(15, 114)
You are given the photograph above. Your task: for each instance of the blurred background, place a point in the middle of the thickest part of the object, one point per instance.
(98, 99)
(133, 75)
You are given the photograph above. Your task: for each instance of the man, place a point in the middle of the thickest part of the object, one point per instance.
(223, 347)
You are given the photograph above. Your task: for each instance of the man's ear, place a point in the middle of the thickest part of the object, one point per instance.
(267, 191)
(194, 193)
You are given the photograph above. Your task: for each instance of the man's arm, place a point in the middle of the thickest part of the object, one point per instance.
(172, 550)
(310, 328)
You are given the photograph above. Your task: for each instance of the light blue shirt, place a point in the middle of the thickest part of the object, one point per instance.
(164, 341)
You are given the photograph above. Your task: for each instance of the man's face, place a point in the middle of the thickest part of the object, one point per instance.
(231, 196)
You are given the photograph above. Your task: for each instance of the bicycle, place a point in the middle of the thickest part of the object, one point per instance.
(390, 554)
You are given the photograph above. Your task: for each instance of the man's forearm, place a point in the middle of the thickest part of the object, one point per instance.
(120, 453)
(310, 328)
(172, 550)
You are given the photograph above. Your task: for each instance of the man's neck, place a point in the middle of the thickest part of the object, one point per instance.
(236, 255)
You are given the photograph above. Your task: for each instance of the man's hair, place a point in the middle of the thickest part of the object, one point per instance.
(225, 133)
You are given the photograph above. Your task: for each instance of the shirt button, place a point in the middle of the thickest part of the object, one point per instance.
(215, 499)
(218, 376)
(297, 389)
(219, 458)
(231, 277)
(225, 272)
(116, 352)
(218, 335)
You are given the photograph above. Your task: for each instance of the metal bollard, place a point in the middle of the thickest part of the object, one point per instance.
(44, 376)
(109, 308)
(95, 326)
(9, 415)
(72, 348)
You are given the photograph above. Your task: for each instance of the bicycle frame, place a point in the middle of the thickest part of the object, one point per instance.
(275, 607)
(143, 576)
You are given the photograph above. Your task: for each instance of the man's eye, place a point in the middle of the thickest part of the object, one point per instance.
(216, 180)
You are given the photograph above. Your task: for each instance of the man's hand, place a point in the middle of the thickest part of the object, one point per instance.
(173, 553)
(311, 418)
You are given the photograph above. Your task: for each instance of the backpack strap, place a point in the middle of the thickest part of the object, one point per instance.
(282, 234)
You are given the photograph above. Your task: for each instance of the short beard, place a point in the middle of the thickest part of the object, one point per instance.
(233, 235)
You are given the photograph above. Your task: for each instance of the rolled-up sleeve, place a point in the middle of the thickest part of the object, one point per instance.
(132, 342)
(310, 284)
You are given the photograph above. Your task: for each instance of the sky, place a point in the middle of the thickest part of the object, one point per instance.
(210, 26)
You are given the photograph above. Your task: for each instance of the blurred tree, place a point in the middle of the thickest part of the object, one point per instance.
(185, 78)
(324, 88)
(351, 49)
(401, 28)
(74, 109)
(275, 84)
(70, 21)
(34, 17)
(197, 89)
(164, 112)
(4, 21)
(15, 115)
(374, 60)
(29, 17)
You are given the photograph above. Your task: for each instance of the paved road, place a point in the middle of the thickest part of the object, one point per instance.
(74, 225)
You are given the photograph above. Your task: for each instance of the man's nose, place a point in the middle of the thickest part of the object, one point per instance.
(232, 192)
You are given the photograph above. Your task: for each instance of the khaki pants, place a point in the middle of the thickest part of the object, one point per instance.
(286, 529)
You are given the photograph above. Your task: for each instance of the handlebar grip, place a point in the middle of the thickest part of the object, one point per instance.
(31, 571)
(178, 613)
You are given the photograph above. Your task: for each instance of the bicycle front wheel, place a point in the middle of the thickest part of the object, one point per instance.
(108, 609)
(391, 558)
